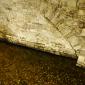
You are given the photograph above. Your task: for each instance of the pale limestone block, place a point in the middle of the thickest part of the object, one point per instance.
(48, 25)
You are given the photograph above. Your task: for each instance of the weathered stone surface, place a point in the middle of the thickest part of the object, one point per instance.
(56, 26)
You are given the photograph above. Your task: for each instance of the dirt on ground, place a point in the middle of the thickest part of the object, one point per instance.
(26, 66)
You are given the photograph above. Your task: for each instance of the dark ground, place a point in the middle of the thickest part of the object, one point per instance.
(25, 66)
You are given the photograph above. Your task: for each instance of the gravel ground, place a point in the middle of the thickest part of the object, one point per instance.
(25, 66)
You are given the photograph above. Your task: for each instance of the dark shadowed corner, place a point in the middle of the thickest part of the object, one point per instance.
(25, 66)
